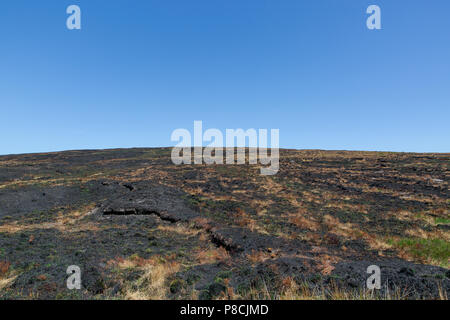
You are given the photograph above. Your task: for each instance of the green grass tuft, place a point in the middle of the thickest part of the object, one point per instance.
(441, 220)
(437, 250)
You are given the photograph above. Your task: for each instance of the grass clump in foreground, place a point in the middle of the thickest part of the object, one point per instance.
(292, 290)
(436, 251)
(440, 220)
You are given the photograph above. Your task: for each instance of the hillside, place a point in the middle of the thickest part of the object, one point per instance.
(140, 227)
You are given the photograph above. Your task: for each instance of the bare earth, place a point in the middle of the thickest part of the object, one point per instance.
(140, 227)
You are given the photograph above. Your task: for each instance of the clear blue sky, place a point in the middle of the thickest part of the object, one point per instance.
(140, 69)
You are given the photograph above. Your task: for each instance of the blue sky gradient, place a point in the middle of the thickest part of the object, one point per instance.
(137, 70)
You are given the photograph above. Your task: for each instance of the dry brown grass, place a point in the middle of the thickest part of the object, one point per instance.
(327, 263)
(152, 284)
(178, 229)
(7, 276)
(259, 256)
(4, 267)
(243, 219)
(292, 290)
(347, 230)
(212, 255)
(64, 222)
(6, 281)
(347, 206)
(304, 223)
(202, 223)
(422, 234)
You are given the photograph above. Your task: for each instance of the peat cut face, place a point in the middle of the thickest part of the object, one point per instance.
(150, 198)
(129, 212)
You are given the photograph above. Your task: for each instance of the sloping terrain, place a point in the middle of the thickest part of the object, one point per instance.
(140, 227)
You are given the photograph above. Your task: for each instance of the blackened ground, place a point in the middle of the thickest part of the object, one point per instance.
(230, 232)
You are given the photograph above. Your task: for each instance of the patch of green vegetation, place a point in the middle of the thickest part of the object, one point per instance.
(222, 275)
(317, 277)
(193, 200)
(192, 278)
(85, 190)
(134, 256)
(431, 249)
(213, 290)
(176, 285)
(441, 220)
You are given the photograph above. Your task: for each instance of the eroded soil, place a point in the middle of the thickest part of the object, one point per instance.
(140, 227)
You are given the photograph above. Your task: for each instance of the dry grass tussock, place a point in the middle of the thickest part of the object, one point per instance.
(153, 282)
(292, 290)
(7, 276)
(64, 222)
